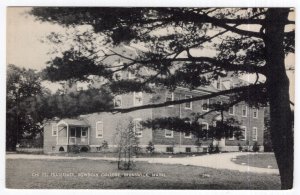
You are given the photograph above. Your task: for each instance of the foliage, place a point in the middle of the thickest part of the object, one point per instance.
(150, 147)
(128, 146)
(178, 57)
(74, 149)
(240, 147)
(22, 85)
(255, 147)
(220, 129)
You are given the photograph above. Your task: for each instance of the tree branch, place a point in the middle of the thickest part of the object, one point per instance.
(197, 98)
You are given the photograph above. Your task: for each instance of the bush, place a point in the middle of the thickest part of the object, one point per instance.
(150, 148)
(255, 147)
(84, 149)
(75, 149)
(210, 148)
(240, 147)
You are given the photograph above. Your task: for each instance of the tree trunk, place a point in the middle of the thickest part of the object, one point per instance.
(278, 91)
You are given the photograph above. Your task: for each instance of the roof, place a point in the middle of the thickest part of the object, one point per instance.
(74, 122)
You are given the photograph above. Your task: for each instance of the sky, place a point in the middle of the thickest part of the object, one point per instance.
(25, 49)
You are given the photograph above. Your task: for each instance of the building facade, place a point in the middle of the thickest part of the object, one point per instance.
(92, 130)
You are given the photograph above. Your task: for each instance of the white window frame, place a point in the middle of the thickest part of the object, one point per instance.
(130, 75)
(172, 134)
(135, 121)
(246, 110)
(120, 97)
(207, 126)
(207, 103)
(233, 109)
(254, 129)
(191, 103)
(188, 137)
(172, 97)
(97, 130)
(255, 109)
(135, 95)
(54, 129)
(86, 131)
(245, 137)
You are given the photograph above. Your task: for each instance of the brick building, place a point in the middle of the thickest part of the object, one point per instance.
(93, 129)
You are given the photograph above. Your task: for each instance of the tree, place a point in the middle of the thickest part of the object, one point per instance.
(22, 84)
(128, 145)
(243, 41)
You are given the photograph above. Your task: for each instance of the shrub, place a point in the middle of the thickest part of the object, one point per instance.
(84, 149)
(240, 147)
(150, 148)
(255, 147)
(211, 148)
(75, 149)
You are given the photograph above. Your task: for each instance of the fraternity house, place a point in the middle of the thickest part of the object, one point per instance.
(90, 131)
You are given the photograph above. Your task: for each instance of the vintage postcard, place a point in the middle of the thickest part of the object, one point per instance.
(150, 98)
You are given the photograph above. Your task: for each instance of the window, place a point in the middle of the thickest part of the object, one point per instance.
(84, 132)
(137, 128)
(188, 150)
(131, 75)
(73, 132)
(244, 133)
(254, 133)
(231, 110)
(169, 149)
(170, 97)
(99, 129)
(118, 101)
(168, 133)
(205, 104)
(54, 130)
(244, 111)
(255, 113)
(188, 105)
(137, 98)
(187, 135)
(118, 76)
(205, 129)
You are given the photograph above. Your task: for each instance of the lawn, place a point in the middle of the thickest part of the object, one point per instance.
(262, 160)
(101, 174)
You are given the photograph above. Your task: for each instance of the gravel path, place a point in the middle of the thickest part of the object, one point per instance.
(217, 161)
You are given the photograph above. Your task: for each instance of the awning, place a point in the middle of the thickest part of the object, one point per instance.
(73, 122)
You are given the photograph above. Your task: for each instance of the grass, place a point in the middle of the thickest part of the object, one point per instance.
(262, 160)
(27, 174)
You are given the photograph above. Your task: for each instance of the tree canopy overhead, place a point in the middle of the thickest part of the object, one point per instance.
(176, 44)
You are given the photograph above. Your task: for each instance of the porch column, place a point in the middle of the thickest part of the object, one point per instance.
(88, 134)
(67, 134)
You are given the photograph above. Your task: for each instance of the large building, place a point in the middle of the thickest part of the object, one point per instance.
(90, 131)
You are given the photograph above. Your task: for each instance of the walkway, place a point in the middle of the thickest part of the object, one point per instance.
(217, 161)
